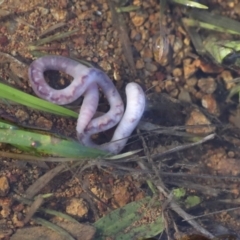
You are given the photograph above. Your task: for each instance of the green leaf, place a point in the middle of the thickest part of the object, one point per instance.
(28, 100)
(192, 201)
(189, 3)
(136, 220)
(47, 144)
(5, 125)
(234, 91)
(179, 192)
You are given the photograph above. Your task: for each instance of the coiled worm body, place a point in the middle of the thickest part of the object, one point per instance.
(86, 82)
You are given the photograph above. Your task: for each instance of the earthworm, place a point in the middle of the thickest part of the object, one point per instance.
(86, 82)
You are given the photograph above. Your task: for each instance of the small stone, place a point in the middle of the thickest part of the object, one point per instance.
(58, 14)
(44, 123)
(187, 41)
(4, 186)
(191, 90)
(208, 67)
(21, 115)
(77, 207)
(228, 79)
(5, 212)
(137, 3)
(145, 35)
(199, 95)
(138, 46)
(160, 76)
(184, 96)
(210, 103)
(135, 35)
(170, 86)
(139, 64)
(43, 11)
(146, 54)
(138, 19)
(5, 207)
(151, 67)
(177, 45)
(196, 119)
(231, 154)
(189, 68)
(207, 85)
(191, 82)
(158, 89)
(154, 83)
(174, 93)
(62, 4)
(177, 72)
(121, 195)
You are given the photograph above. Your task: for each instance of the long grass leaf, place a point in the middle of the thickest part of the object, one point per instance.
(28, 100)
(48, 144)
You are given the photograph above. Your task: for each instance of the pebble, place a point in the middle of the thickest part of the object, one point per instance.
(177, 45)
(138, 46)
(227, 78)
(210, 103)
(184, 96)
(21, 115)
(170, 86)
(135, 35)
(207, 85)
(146, 54)
(177, 72)
(189, 68)
(151, 67)
(139, 64)
(77, 207)
(44, 123)
(174, 93)
(58, 14)
(121, 195)
(138, 18)
(191, 82)
(4, 186)
(196, 119)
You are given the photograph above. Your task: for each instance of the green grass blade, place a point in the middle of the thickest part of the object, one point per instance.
(52, 38)
(192, 4)
(28, 100)
(5, 125)
(47, 144)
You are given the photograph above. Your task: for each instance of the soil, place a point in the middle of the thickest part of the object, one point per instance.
(187, 100)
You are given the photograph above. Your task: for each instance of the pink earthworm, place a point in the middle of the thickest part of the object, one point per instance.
(86, 82)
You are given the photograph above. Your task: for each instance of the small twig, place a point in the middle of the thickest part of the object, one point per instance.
(184, 147)
(52, 28)
(43, 180)
(119, 23)
(45, 210)
(33, 208)
(54, 227)
(209, 214)
(150, 160)
(162, 189)
(34, 45)
(187, 217)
